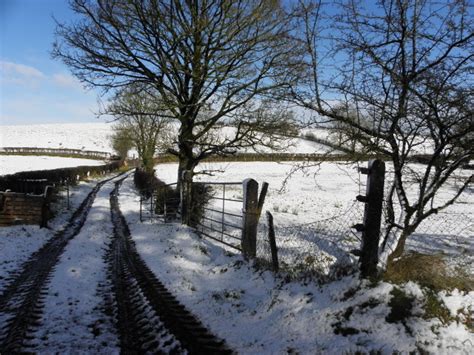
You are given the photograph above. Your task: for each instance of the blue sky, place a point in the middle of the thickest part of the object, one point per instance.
(33, 87)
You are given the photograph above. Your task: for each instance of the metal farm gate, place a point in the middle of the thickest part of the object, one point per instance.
(223, 218)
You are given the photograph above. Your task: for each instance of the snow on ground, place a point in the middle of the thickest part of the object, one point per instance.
(72, 321)
(258, 313)
(10, 164)
(87, 136)
(333, 186)
(254, 311)
(17, 243)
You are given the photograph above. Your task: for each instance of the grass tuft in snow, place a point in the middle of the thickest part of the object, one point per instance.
(434, 307)
(428, 271)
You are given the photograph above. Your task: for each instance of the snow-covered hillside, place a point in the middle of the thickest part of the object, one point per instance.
(87, 136)
(96, 136)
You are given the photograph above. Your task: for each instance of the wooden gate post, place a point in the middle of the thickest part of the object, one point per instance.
(370, 229)
(250, 219)
(45, 208)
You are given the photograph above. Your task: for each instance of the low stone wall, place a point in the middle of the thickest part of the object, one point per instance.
(20, 208)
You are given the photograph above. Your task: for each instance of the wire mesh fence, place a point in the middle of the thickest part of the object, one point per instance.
(450, 233)
(319, 249)
(323, 249)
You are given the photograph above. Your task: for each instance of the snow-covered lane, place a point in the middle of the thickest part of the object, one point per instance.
(73, 318)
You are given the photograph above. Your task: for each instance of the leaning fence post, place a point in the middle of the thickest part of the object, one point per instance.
(272, 241)
(250, 218)
(261, 198)
(372, 217)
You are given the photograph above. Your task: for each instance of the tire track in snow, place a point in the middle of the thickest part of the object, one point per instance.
(22, 300)
(149, 318)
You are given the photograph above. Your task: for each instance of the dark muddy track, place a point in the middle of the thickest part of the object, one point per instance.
(149, 318)
(21, 302)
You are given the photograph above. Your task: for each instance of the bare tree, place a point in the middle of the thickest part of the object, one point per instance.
(209, 60)
(405, 67)
(214, 56)
(142, 123)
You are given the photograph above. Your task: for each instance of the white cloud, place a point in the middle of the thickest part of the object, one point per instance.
(67, 80)
(19, 72)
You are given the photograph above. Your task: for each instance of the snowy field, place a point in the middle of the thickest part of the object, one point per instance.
(254, 311)
(10, 164)
(314, 209)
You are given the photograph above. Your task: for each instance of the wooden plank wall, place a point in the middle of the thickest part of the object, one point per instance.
(20, 208)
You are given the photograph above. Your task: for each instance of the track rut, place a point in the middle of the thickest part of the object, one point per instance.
(149, 317)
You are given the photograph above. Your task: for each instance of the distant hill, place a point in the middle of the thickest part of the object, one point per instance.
(96, 136)
(86, 136)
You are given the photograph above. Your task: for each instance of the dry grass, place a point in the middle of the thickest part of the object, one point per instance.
(429, 271)
(432, 273)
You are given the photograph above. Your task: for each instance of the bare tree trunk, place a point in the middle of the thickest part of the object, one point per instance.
(185, 183)
(400, 248)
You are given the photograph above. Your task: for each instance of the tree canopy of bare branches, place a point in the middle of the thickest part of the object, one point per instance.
(398, 75)
(209, 60)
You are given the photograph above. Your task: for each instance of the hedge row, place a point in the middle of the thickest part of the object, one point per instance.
(273, 157)
(35, 181)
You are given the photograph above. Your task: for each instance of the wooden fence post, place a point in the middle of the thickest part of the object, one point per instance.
(250, 218)
(261, 198)
(272, 241)
(372, 217)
